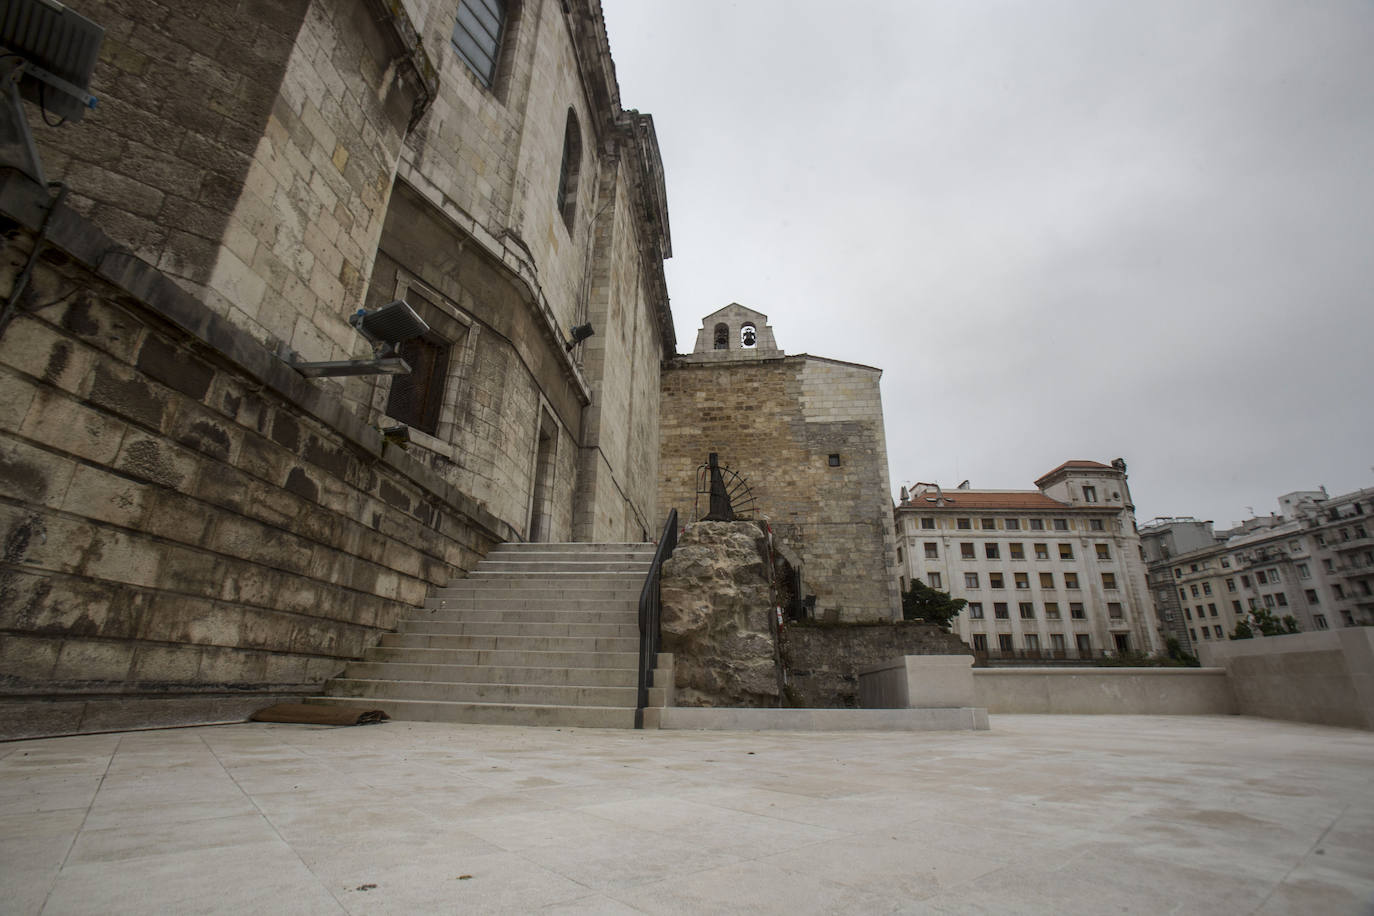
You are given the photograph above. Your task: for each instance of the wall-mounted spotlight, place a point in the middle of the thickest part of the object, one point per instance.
(579, 333)
(384, 328)
(397, 435)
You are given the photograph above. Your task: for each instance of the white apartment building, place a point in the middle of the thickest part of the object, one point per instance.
(1055, 572)
(1314, 562)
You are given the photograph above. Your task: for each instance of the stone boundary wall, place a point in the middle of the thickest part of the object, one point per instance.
(187, 524)
(823, 663)
(1105, 691)
(1326, 677)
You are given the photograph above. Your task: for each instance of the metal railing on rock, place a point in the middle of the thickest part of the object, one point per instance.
(650, 610)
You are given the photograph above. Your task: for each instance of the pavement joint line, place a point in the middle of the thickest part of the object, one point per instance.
(109, 762)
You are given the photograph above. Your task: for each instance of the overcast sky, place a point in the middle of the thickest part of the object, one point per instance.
(1062, 229)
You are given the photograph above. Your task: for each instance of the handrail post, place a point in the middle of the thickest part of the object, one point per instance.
(650, 610)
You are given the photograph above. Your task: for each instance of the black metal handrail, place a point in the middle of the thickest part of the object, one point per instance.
(649, 611)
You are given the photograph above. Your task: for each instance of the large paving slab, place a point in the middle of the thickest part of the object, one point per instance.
(1040, 814)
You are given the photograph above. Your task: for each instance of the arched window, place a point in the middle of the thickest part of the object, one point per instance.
(748, 336)
(568, 173)
(722, 336)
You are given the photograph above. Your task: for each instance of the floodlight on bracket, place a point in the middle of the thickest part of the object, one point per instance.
(384, 328)
(47, 53)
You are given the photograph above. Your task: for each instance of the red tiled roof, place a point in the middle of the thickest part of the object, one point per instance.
(972, 499)
(1075, 463)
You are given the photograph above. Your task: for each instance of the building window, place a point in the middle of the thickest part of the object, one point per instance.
(1095, 524)
(932, 550)
(1187, 613)
(1230, 585)
(1042, 552)
(1207, 588)
(1211, 609)
(1319, 621)
(970, 580)
(964, 524)
(748, 336)
(1192, 634)
(1281, 598)
(928, 524)
(1085, 643)
(1061, 524)
(1303, 571)
(1206, 633)
(1245, 581)
(966, 550)
(995, 580)
(477, 36)
(1109, 580)
(1032, 642)
(992, 551)
(999, 610)
(1018, 550)
(989, 524)
(1178, 572)
(1047, 580)
(1193, 588)
(1274, 577)
(975, 610)
(1004, 642)
(1037, 524)
(1348, 618)
(1254, 604)
(1027, 610)
(1268, 600)
(1182, 594)
(417, 398)
(1236, 608)
(1057, 642)
(1104, 552)
(722, 336)
(980, 642)
(1051, 610)
(1076, 610)
(1013, 524)
(834, 459)
(933, 579)
(570, 170)
(1114, 610)
(1260, 578)
(1312, 596)
(1090, 494)
(1070, 580)
(1225, 562)
(1066, 551)
(1022, 580)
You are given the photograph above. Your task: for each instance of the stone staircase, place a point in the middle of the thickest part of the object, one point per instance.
(537, 634)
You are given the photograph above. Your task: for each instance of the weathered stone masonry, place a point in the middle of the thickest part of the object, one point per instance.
(188, 526)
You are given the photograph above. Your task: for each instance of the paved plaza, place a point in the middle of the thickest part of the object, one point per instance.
(1041, 814)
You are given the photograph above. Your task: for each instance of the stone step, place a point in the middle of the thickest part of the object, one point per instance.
(516, 602)
(589, 589)
(549, 579)
(629, 616)
(420, 636)
(573, 547)
(432, 624)
(439, 655)
(561, 567)
(491, 713)
(493, 674)
(459, 692)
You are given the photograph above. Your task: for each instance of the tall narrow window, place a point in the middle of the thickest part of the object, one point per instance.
(477, 36)
(722, 332)
(568, 173)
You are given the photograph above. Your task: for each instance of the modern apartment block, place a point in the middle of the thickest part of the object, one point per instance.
(1314, 561)
(1054, 572)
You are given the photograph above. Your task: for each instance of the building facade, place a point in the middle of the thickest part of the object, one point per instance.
(806, 434)
(187, 515)
(1054, 572)
(1313, 562)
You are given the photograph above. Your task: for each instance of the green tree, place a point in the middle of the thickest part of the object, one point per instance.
(921, 602)
(1266, 623)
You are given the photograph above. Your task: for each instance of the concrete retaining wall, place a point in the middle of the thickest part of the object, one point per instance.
(1106, 691)
(1325, 677)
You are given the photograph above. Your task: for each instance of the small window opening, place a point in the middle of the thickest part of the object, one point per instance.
(834, 460)
(722, 337)
(570, 169)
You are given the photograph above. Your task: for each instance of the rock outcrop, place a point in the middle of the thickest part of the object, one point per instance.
(716, 607)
